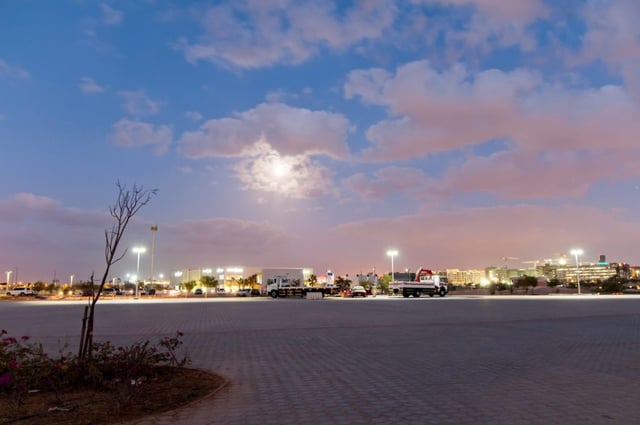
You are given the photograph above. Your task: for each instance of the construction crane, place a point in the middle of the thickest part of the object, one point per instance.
(506, 266)
(506, 261)
(534, 262)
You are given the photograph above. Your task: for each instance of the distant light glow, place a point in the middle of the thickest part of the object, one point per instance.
(235, 269)
(281, 168)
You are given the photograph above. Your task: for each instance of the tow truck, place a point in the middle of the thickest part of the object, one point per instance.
(425, 282)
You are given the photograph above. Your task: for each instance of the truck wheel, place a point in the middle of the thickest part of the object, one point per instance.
(443, 292)
(274, 294)
(417, 294)
(405, 293)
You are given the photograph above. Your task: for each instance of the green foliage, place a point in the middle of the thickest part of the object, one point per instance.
(553, 283)
(527, 282)
(383, 283)
(39, 286)
(189, 285)
(209, 281)
(25, 366)
(613, 284)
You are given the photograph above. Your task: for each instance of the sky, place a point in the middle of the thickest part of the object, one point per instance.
(293, 133)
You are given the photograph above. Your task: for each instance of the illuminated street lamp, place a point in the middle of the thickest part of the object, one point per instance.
(577, 252)
(392, 253)
(138, 250)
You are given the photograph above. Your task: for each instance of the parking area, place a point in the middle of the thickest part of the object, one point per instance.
(453, 360)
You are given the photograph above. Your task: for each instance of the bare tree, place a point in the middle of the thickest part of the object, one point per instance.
(127, 205)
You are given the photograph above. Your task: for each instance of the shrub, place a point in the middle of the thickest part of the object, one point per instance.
(25, 366)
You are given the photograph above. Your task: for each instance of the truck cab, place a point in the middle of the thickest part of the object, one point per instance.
(425, 282)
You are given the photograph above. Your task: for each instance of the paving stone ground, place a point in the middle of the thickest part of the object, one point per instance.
(457, 360)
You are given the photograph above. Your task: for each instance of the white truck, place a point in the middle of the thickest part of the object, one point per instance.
(426, 282)
(283, 286)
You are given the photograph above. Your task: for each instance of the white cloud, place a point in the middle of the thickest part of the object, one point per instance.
(290, 131)
(137, 103)
(611, 36)
(265, 170)
(89, 86)
(131, 133)
(111, 16)
(13, 72)
(495, 23)
(521, 10)
(193, 115)
(255, 34)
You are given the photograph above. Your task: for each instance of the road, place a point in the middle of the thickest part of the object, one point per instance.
(389, 360)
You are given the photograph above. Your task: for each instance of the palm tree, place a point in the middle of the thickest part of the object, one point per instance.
(313, 280)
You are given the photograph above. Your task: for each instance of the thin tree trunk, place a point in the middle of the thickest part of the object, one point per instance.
(82, 333)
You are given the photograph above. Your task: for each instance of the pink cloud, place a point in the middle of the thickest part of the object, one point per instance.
(526, 175)
(386, 181)
(431, 111)
(480, 237)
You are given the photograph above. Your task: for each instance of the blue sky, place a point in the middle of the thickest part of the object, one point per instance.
(319, 133)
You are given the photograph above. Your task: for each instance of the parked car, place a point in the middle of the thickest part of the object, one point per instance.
(358, 291)
(198, 291)
(220, 291)
(20, 292)
(109, 291)
(243, 293)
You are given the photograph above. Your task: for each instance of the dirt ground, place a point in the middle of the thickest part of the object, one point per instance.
(172, 389)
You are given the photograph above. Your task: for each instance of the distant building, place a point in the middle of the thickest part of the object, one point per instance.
(465, 277)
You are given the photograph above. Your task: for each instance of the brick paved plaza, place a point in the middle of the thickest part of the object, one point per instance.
(457, 360)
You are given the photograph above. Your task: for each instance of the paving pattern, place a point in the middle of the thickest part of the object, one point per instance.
(457, 360)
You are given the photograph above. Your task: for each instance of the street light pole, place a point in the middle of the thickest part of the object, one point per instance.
(392, 253)
(577, 253)
(138, 250)
(154, 229)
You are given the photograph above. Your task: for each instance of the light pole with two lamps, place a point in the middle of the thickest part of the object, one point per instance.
(577, 252)
(138, 250)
